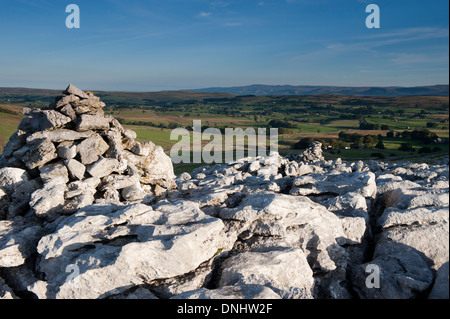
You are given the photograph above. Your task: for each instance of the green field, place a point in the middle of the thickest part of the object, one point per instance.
(8, 125)
(321, 117)
(160, 137)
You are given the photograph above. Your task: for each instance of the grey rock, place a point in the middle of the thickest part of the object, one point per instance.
(53, 119)
(140, 293)
(77, 188)
(291, 169)
(88, 106)
(184, 177)
(32, 122)
(359, 166)
(110, 195)
(231, 292)
(6, 292)
(254, 166)
(258, 227)
(346, 204)
(313, 153)
(270, 167)
(17, 241)
(21, 197)
(52, 171)
(49, 201)
(418, 216)
(90, 149)
(73, 90)
(40, 120)
(281, 270)
(299, 221)
(11, 178)
(403, 275)
(127, 133)
(156, 168)
(39, 153)
(16, 141)
(102, 167)
(119, 181)
(141, 149)
(67, 150)
(68, 111)
(65, 100)
(181, 243)
(405, 197)
(59, 135)
(405, 173)
(88, 122)
(38, 288)
(75, 169)
(76, 203)
(200, 176)
(354, 229)
(418, 238)
(4, 203)
(133, 193)
(21, 277)
(114, 139)
(21, 152)
(304, 169)
(315, 184)
(128, 143)
(25, 110)
(441, 284)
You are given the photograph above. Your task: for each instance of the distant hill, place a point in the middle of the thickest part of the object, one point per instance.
(260, 89)
(112, 96)
(139, 98)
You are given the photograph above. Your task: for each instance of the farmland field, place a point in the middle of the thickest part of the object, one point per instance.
(373, 120)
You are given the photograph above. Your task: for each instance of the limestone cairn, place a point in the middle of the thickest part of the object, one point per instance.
(75, 156)
(312, 154)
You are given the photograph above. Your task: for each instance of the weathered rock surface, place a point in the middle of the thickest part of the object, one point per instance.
(231, 292)
(88, 212)
(402, 275)
(331, 215)
(441, 284)
(91, 149)
(48, 201)
(115, 249)
(283, 271)
(38, 153)
(18, 241)
(75, 169)
(11, 178)
(88, 122)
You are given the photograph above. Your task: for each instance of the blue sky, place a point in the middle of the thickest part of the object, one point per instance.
(180, 44)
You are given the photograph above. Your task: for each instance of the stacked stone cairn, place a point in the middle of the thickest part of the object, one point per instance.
(72, 155)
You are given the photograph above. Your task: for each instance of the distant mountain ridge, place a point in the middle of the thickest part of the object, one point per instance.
(256, 89)
(261, 89)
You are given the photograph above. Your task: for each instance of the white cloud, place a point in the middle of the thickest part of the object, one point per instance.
(334, 46)
(413, 58)
(204, 14)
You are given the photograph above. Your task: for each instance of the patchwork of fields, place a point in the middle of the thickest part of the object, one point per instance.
(323, 117)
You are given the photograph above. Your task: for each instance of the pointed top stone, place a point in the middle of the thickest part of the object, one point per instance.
(72, 89)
